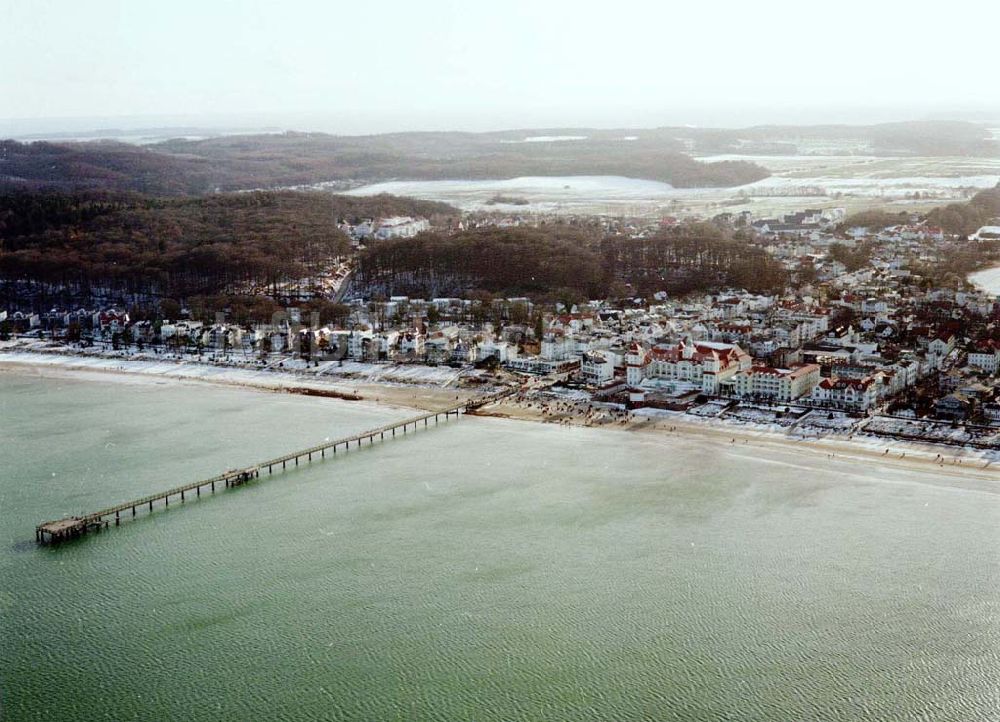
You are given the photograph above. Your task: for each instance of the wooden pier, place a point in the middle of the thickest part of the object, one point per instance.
(73, 527)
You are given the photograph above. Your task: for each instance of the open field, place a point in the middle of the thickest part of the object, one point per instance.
(852, 182)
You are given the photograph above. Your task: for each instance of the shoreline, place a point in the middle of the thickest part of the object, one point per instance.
(954, 462)
(59, 365)
(989, 281)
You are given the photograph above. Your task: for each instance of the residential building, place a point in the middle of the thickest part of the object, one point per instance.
(846, 393)
(596, 369)
(764, 382)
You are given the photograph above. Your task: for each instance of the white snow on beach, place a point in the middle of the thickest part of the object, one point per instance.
(292, 373)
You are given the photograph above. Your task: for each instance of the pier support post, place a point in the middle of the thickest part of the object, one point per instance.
(182, 496)
(133, 511)
(150, 506)
(117, 519)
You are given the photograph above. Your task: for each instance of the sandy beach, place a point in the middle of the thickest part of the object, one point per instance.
(410, 396)
(955, 463)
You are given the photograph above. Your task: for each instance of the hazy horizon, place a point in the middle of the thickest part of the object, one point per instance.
(31, 128)
(441, 65)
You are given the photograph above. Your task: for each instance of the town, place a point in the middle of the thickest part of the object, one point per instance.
(867, 344)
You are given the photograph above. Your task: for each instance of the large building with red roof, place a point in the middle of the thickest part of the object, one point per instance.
(701, 363)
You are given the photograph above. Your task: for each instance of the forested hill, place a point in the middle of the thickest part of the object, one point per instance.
(541, 262)
(270, 161)
(299, 158)
(100, 165)
(955, 218)
(76, 245)
(688, 259)
(179, 247)
(982, 209)
(556, 261)
(194, 167)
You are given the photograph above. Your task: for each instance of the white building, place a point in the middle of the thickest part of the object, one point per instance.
(939, 348)
(986, 356)
(401, 227)
(554, 346)
(357, 341)
(502, 350)
(596, 369)
(412, 342)
(388, 342)
(987, 233)
(776, 384)
(703, 364)
(844, 393)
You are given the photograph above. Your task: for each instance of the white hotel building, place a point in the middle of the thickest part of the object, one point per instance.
(703, 364)
(763, 382)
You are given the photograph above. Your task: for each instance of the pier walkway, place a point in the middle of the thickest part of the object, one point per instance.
(75, 526)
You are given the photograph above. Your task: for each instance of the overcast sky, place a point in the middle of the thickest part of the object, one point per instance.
(381, 65)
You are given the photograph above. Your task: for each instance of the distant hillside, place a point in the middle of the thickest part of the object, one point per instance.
(911, 138)
(301, 158)
(100, 165)
(229, 163)
(269, 161)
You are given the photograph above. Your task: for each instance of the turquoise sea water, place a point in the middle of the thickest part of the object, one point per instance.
(484, 570)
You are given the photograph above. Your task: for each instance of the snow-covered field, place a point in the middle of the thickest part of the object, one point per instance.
(545, 194)
(829, 421)
(546, 139)
(796, 182)
(710, 410)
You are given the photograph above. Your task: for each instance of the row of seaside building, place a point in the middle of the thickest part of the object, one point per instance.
(734, 345)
